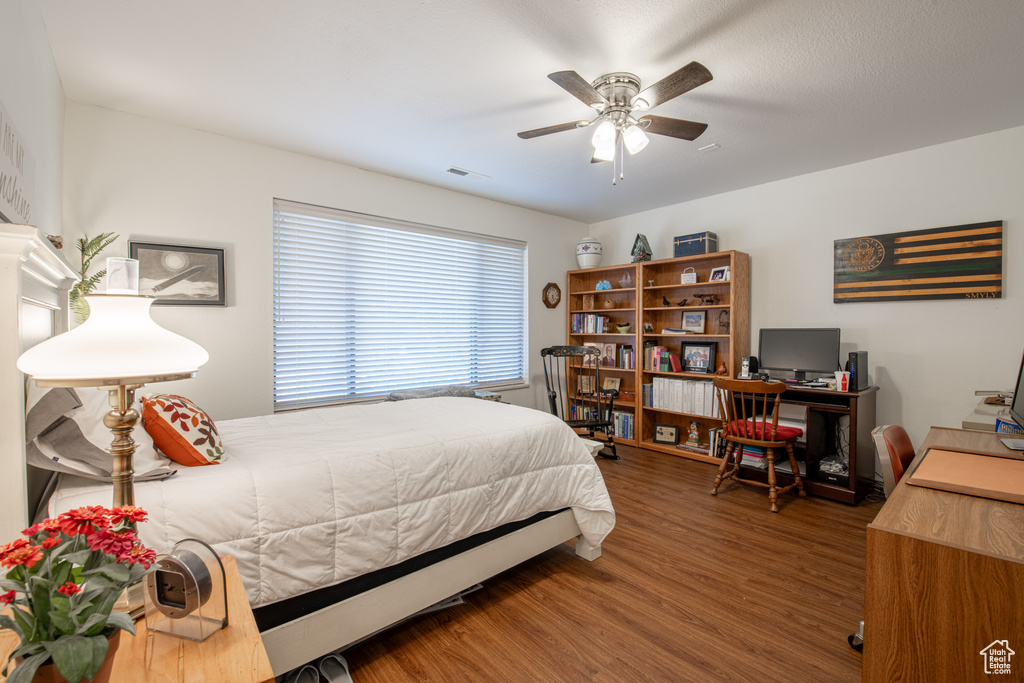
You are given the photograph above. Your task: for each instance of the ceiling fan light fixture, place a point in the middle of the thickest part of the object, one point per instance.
(604, 136)
(605, 152)
(634, 139)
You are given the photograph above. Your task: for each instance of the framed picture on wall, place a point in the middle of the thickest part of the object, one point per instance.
(179, 275)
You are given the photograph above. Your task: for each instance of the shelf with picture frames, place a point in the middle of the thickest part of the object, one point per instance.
(713, 312)
(680, 295)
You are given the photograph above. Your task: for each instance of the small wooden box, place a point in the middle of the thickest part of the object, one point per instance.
(697, 243)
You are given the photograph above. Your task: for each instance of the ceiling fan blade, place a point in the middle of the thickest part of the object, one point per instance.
(548, 130)
(573, 83)
(675, 128)
(675, 84)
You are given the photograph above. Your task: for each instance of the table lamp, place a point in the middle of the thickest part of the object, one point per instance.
(121, 348)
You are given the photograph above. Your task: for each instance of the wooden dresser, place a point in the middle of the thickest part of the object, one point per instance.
(945, 578)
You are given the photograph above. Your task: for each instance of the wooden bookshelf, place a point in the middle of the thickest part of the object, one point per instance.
(651, 283)
(618, 306)
(726, 307)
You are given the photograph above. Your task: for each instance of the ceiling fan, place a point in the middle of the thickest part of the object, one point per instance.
(617, 96)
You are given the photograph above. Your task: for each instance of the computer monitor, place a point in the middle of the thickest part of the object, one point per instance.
(1017, 409)
(799, 350)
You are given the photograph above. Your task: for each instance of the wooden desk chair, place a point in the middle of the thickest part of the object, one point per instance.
(895, 451)
(750, 410)
(573, 378)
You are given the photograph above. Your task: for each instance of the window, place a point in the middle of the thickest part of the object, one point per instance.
(365, 305)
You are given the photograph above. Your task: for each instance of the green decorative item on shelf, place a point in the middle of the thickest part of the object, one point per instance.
(641, 249)
(89, 249)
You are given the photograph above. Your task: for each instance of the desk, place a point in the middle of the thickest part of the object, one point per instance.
(945, 578)
(824, 407)
(232, 654)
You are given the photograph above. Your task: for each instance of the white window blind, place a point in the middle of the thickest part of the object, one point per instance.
(365, 305)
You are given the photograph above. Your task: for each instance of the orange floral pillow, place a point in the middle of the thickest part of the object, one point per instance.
(181, 430)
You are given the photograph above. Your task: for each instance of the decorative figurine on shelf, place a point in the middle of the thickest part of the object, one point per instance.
(602, 285)
(641, 249)
(707, 299)
(665, 302)
(682, 303)
(626, 282)
(723, 322)
(722, 370)
(693, 438)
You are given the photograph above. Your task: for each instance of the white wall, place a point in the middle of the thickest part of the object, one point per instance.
(31, 92)
(146, 180)
(926, 357)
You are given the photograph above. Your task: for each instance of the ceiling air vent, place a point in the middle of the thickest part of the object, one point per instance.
(470, 175)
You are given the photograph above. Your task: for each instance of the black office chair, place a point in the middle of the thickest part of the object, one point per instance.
(573, 378)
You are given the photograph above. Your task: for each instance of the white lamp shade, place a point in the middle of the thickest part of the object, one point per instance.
(634, 138)
(605, 152)
(604, 135)
(118, 344)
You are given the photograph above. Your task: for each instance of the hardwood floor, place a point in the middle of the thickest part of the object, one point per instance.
(690, 587)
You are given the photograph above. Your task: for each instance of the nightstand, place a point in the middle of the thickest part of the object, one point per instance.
(234, 653)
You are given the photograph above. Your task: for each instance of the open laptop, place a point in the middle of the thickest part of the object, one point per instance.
(1017, 410)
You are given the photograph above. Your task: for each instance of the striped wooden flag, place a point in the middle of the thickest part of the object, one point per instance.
(958, 262)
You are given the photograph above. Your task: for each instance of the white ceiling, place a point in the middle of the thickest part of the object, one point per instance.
(411, 87)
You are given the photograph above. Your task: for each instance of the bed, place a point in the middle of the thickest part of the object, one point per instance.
(346, 520)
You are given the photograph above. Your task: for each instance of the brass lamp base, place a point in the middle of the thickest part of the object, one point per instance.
(121, 420)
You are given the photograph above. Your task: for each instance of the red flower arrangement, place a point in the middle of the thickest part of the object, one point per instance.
(64, 576)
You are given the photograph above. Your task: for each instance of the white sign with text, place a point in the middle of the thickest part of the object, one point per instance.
(17, 173)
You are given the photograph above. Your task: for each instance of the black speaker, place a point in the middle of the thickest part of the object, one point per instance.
(857, 366)
(748, 367)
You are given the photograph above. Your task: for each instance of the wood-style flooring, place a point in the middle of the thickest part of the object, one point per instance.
(690, 587)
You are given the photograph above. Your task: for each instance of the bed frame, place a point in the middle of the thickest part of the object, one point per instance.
(34, 282)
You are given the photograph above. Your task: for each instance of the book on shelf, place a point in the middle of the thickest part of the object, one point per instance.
(623, 422)
(673, 360)
(702, 449)
(674, 330)
(716, 443)
(690, 396)
(589, 323)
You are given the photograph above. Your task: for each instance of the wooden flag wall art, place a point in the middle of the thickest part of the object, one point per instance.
(957, 262)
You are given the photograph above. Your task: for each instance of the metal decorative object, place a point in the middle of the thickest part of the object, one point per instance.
(187, 596)
(955, 262)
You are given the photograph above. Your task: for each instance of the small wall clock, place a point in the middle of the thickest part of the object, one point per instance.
(552, 295)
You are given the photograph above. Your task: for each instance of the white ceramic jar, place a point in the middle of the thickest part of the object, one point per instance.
(588, 252)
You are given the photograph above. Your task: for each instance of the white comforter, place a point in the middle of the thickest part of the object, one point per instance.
(308, 499)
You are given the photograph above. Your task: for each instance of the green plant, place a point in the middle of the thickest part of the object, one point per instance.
(89, 249)
(65, 574)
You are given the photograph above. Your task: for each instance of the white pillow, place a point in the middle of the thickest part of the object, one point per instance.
(65, 433)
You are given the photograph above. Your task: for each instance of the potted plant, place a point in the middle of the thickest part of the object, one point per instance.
(88, 249)
(63, 577)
